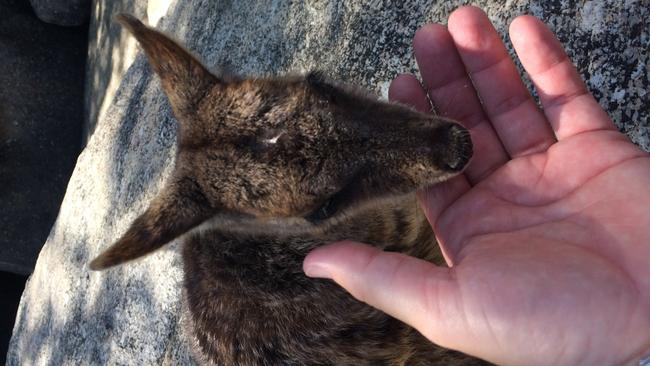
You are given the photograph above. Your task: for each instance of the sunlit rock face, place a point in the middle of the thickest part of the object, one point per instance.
(130, 315)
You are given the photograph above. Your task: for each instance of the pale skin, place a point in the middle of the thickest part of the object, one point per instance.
(547, 232)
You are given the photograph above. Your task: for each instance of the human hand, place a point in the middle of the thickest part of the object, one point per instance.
(546, 233)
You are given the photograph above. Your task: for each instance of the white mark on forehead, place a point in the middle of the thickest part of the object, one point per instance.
(274, 139)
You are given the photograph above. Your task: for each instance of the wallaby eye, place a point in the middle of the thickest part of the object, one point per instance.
(325, 211)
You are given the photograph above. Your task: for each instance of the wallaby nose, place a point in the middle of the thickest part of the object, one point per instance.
(459, 147)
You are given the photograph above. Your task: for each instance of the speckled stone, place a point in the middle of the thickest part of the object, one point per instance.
(130, 315)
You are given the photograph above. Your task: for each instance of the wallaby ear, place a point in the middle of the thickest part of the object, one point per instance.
(180, 207)
(185, 80)
(330, 90)
(319, 82)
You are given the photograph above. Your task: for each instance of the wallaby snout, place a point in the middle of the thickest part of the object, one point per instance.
(460, 147)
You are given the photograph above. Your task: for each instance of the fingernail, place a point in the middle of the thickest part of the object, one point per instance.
(316, 270)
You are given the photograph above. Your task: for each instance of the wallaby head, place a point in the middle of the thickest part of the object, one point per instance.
(297, 147)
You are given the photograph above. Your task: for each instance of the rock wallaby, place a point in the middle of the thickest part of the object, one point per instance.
(268, 169)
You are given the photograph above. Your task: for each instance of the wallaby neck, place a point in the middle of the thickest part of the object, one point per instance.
(247, 289)
(396, 224)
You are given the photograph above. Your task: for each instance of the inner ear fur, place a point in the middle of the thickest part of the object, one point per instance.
(184, 79)
(180, 207)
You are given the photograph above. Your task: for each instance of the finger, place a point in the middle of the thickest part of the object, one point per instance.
(521, 126)
(406, 89)
(452, 94)
(434, 200)
(404, 287)
(568, 105)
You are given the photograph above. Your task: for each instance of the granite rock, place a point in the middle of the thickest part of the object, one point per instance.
(130, 315)
(62, 12)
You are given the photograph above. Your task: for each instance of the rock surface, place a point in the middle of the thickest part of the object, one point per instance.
(130, 315)
(62, 12)
(41, 116)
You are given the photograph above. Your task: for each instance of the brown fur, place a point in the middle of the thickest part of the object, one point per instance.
(267, 170)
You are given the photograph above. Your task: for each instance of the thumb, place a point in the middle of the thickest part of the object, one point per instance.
(409, 289)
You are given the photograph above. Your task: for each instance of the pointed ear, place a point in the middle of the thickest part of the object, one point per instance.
(333, 92)
(185, 80)
(320, 83)
(180, 207)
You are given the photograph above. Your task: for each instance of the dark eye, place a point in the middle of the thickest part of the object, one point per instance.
(325, 211)
(352, 192)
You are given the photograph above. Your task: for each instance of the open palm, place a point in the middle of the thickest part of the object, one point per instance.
(546, 234)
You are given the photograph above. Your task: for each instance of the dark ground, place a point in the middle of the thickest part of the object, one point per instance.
(11, 287)
(41, 115)
(42, 69)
